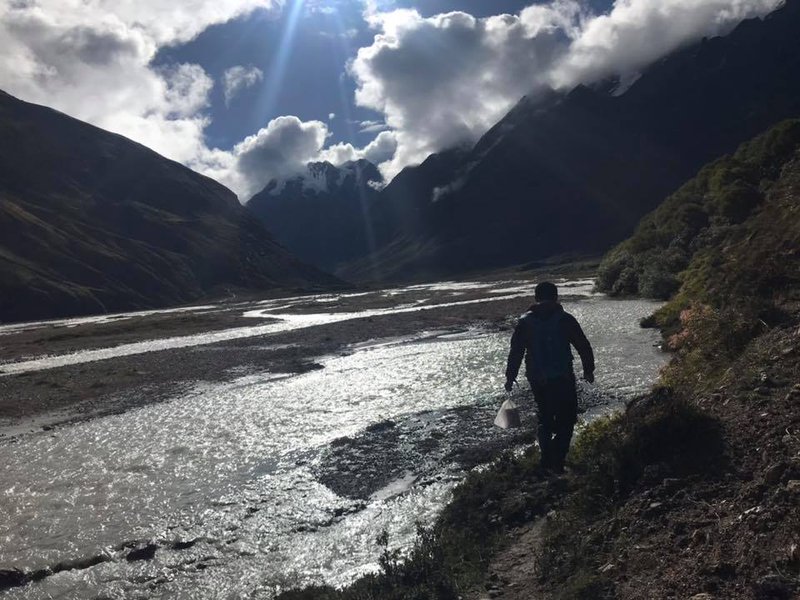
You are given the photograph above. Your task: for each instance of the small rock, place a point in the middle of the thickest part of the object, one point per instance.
(183, 545)
(752, 511)
(703, 596)
(773, 474)
(146, 553)
(10, 578)
(793, 485)
(766, 380)
(39, 574)
(794, 553)
(699, 537)
(607, 568)
(81, 563)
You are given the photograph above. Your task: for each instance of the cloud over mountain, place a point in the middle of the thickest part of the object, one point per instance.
(280, 149)
(438, 81)
(446, 79)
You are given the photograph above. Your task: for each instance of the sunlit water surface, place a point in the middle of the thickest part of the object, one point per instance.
(236, 467)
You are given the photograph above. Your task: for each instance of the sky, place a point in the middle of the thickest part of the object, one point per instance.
(246, 91)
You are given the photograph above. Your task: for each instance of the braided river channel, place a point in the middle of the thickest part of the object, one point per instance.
(266, 481)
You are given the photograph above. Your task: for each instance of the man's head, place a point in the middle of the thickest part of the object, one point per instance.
(546, 292)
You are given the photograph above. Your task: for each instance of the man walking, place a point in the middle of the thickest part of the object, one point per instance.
(543, 337)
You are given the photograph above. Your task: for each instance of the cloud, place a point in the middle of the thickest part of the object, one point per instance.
(239, 78)
(381, 149)
(445, 80)
(282, 150)
(438, 81)
(372, 126)
(638, 32)
(279, 150)
(378, 151)
(92, 60)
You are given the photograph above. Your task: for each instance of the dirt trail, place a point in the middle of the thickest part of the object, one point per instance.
(512, 574)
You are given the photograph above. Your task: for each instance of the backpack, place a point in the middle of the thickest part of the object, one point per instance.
(552, 357)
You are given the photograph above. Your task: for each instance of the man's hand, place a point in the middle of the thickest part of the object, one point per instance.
(589, 377)
(509, 385)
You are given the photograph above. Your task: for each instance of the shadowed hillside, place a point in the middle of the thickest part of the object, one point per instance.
(93, 222)
(324, 216)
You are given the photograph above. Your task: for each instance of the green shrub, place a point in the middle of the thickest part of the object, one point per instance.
(737, 201)
(708, 342)
(627, 283)
(610, 269)
(657, 283)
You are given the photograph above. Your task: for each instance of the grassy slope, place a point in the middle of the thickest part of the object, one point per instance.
(696, 488)
(693, 225)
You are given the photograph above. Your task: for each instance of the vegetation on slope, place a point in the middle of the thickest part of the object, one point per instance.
(725, 249)
(698, 222)
(722, 519)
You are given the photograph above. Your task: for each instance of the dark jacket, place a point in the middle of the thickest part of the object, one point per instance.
(522, 340)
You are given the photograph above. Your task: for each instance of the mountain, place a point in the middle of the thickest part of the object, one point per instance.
(325, 215)
(573, 173)
(92, 222)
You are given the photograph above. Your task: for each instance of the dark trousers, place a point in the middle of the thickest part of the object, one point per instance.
(557, 403)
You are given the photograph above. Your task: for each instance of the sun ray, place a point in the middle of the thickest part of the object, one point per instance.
(277, 69)
(347, 53)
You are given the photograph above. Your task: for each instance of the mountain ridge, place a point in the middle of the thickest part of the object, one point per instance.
(93, 222)
(323, 215)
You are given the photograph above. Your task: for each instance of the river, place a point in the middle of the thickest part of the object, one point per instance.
(247, 487)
